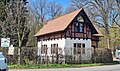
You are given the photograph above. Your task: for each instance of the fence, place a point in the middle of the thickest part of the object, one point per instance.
(69, 55)
(79, 55)
(29, 55)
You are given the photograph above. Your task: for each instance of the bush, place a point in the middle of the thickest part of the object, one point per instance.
(102, 55)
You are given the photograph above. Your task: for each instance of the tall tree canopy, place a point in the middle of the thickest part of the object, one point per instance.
(14, 21)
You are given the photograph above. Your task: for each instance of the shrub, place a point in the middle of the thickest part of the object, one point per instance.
(102, 55)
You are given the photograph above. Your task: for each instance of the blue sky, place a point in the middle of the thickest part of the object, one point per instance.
(64, 3)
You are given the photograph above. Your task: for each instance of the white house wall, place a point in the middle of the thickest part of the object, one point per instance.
(60, 42)
(65, 43)
(69, 44)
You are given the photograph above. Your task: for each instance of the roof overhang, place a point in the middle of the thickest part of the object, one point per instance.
(36, 35)
(98, 35)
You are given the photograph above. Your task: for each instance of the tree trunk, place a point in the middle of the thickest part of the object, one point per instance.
(108, 44)
(107, 35)
(20, 53)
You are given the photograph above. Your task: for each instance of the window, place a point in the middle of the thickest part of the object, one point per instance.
(78, 27)
(79, 45)
(74, 44)
(83, 45)
(75, 48)
(44, 49)
(54, 48)
(76, 24)
(79, 48)
(83, 48)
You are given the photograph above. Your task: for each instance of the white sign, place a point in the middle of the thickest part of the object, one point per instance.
(5, 42)
(11, 50)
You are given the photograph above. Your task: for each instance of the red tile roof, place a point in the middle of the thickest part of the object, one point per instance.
(57, 24)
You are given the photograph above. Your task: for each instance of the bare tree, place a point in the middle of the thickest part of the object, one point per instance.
(76, 4)
(116, 13)
(39, 10)
(34, 27)
(103, 9)
(54, 9)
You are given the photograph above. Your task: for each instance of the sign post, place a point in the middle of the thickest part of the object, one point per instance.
(11, 50)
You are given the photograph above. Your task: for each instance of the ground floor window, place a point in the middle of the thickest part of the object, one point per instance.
(79, 48)
(54, 48)
(44, 49)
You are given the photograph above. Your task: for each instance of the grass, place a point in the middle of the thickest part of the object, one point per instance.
(52, 66)
(37, 66)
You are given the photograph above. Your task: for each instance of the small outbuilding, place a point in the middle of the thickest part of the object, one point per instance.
(68, 32)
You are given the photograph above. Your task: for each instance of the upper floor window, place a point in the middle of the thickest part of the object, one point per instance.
(79, 24)
(78, 27)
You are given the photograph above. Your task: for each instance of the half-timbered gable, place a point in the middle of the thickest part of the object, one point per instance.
(79, 27)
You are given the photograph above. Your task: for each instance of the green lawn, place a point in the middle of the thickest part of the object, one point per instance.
(51, 66)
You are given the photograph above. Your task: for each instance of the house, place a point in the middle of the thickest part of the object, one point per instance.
(73, 30)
